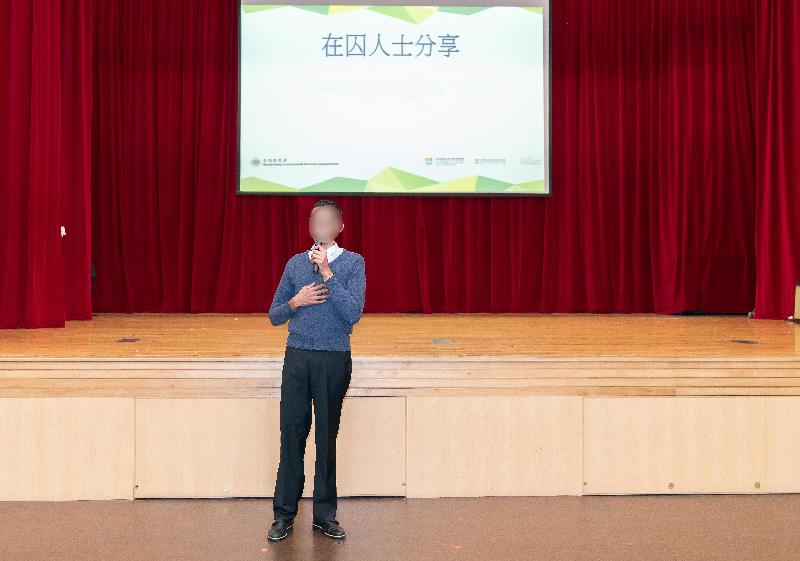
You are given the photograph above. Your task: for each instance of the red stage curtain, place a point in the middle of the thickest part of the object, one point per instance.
(45, 139)
(653, 206)
(778, 214)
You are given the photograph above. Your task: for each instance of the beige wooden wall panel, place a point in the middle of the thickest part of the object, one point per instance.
(60, 449)
(370, 450)
(212, 447)
(674, 445)
(783, 445)
(494, 446)
(220, 447)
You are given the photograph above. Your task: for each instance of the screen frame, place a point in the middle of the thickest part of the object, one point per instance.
(548, 108)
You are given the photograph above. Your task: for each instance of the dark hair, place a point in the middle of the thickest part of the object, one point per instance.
(328, 202)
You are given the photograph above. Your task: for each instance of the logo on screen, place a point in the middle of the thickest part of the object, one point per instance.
(428, 161)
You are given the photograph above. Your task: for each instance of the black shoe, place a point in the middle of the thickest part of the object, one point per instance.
(330, 528)
(280, 529)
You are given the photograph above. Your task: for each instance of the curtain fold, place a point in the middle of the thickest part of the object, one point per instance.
(778, 201)
(45, 138)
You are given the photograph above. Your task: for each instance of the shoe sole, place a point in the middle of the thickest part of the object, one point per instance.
(319, 528)
(288, 529)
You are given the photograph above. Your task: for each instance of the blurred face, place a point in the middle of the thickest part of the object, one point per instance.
(324, 223)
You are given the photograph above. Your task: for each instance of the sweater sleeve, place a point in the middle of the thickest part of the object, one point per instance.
(280, 311)
(348, 298)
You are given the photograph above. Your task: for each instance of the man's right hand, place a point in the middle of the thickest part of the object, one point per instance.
(310, 294)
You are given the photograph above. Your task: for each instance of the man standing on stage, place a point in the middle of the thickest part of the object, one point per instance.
(316, 365)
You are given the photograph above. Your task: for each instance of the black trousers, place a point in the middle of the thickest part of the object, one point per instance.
(321, 376)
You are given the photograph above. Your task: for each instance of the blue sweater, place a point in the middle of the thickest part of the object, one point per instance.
(325, 326)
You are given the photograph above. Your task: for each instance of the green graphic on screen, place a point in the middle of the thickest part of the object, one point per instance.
(393, 100)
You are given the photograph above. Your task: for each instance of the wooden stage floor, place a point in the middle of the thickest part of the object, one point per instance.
(240, 355)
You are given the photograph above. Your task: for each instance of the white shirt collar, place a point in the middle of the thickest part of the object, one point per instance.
(333, 251)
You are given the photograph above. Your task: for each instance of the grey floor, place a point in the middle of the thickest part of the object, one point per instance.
(618, 528)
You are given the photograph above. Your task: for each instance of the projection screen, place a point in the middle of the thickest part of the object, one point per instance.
(394, 100)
